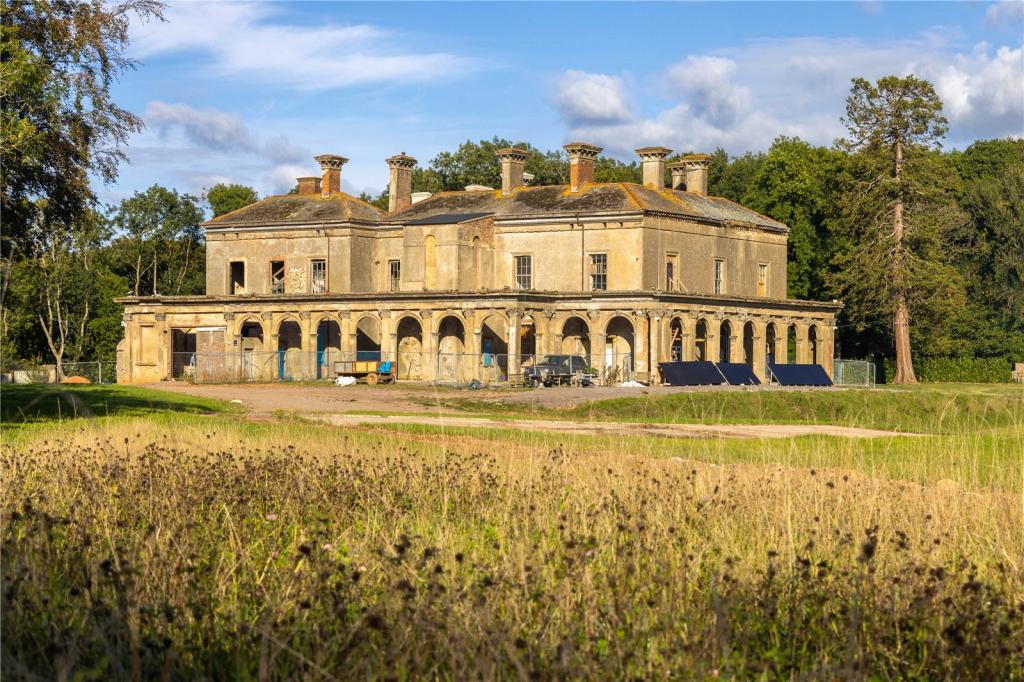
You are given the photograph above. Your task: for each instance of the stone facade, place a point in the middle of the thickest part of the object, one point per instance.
(618, 270)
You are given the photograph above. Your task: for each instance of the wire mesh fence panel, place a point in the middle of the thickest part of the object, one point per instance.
(98, 372)
(485, 369)
(853, 373)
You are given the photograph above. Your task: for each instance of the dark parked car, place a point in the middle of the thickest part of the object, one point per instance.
(557, 369)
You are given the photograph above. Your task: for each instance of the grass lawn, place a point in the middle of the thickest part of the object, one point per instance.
(41, 403)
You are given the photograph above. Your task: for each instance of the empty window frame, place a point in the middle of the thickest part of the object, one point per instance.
(599, 272)
(277, 276)
(236, 282)
(524, 272)
(671, 271)
(762, 279)
(318, 276)
(719, 276)
(394, 275)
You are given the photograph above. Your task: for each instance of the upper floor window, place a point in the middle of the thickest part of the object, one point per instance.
(236, 285)
(599, 272)
(277, 276)
(671, 265)
(762, 279)
(524, 272)
(395, 275)
(719, 276)
(318, 276)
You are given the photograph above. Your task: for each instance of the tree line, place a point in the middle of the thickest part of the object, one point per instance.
(925, 247)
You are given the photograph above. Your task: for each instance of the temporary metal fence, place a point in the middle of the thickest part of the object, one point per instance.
(99, 372)
(853, 373)
(450, 369)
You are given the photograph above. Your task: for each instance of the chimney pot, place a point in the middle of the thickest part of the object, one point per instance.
(331, 165)
(582, 158)
(400, 182)
(652, 160)
(513, 161)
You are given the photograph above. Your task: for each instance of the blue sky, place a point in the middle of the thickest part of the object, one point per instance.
(250, 92)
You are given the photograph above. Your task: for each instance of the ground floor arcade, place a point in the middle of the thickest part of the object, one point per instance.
(460, 337)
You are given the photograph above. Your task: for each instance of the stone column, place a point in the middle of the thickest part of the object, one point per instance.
(598, 345)
(735, 343)
(760, 351)
(802, 346)
(689, 340)
(388, 337)
(308, 339)
(781, 343)
(514, 317)
(711, 344)
(827, 347)
(641, 323)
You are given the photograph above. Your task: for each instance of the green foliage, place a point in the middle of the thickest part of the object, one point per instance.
(963, 370)
(227, 198)
(794, 184)
(159, 242)
(380, 201)
(59, 124)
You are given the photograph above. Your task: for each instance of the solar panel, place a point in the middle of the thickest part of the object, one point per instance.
(738, 373)
(691, 373)
(800, 375)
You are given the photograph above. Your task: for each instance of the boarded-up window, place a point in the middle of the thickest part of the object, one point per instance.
(430, 262)
(719, 276)
(146, 347)
(762, 279)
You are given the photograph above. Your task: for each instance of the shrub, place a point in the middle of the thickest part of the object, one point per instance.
(974, 370)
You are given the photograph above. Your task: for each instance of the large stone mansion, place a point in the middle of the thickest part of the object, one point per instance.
(454, 285)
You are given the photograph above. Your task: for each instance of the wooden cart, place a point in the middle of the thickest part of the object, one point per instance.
(370, 371)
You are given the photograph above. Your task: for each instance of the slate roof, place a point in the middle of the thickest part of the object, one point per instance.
(455, 207)
(595, 198)
(447, 219)
(298, 209)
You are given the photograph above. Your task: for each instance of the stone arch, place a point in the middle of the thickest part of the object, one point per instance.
(770, 343)
(575, 337)
(289, 350)
(451, 345)
(619, 348)
(701, 341)
(748, 343)
(494, 347)
(410, 347)
(527, 336)
(328, 346)
(251, 328)
(725, 341)
(368, 338)
(675, 339)
(812, 344)
(430, 262)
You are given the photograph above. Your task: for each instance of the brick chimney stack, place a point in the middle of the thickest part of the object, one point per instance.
(582, 157)
(331, 165)
(652, 160)
(400, 182)
(309, 185)
(513, 161)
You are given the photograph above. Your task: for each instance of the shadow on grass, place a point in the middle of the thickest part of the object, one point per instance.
(40, 403)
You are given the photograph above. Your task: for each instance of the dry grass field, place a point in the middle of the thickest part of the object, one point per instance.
(168, 545)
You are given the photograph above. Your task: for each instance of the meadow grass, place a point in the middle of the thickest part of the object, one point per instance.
(181, 546)
(928, 408)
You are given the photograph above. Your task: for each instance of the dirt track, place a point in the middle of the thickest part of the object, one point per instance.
(424, 404)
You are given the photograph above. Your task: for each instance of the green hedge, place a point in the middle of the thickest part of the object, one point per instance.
(973, 370)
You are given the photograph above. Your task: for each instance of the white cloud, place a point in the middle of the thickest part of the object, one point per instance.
(983, 91)
(743, 98)
(1005, 13)
(592, 97)
(243, 40)
(218, 131)
(707, 83)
